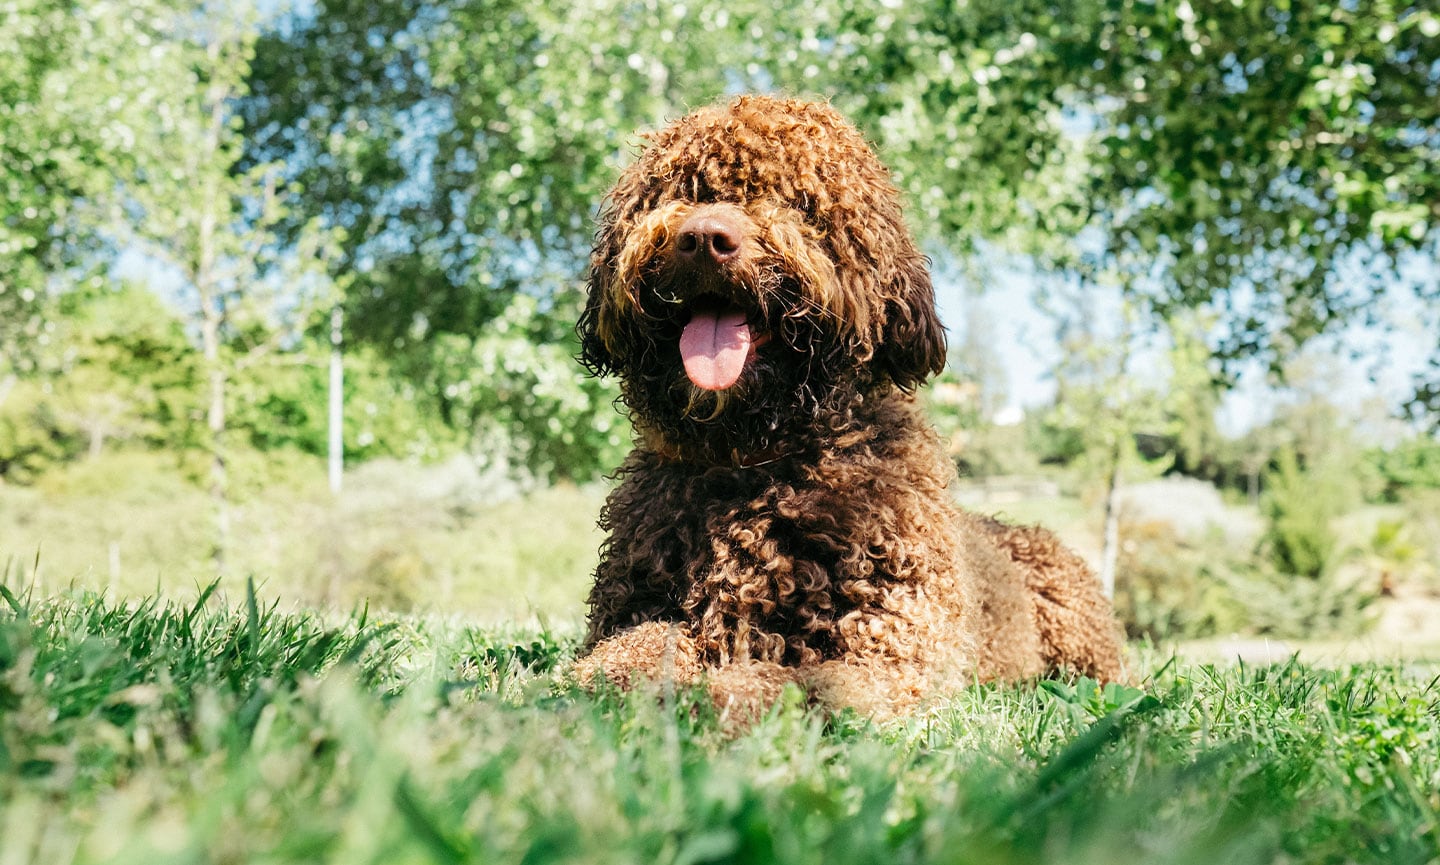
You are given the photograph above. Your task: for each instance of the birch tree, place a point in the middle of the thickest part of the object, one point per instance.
(212, 224)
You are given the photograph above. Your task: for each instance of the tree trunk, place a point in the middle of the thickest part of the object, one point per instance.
(1110, 551)
(212, 319)
(337, 404)
(219, 473)
(97, 440)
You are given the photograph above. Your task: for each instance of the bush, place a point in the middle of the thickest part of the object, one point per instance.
(1392, 555)
(1172, 586)
(285, 405)
(1422, 520)
(33, 438)
(1299, 507)
(1167, 587)
(1293, 589)
(1413, 464)
(1283, 605)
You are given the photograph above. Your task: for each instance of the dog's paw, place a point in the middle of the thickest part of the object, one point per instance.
(744, 692)
(661, 652)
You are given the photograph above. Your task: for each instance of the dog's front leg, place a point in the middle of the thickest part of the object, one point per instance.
(744, 691)
(878, 687)
(659, 652)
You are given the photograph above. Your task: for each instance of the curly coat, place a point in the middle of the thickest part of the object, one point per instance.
(790, 521)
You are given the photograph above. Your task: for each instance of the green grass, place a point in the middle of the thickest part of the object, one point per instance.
(1059, 514)
(156, 732)
(401, 537)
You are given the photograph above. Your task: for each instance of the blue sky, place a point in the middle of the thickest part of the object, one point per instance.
(1376, 382)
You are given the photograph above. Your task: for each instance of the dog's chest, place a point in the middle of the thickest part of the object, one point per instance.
(764, 543)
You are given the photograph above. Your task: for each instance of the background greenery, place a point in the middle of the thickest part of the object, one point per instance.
(202, 204)
(203, 201)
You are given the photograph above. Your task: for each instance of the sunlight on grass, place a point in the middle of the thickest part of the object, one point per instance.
(130, 523)
(163, 732)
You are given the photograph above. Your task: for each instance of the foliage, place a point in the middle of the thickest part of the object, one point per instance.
(991, 450)
(282, 404)
(1425, 404)
(462, 145)
(981, 448)
(1304, 420)
(1413, 464)
(1189, 571)
(1191, 401)
(1101, 399)
(1297, 586)
(1250, 172)
(1394, 555)
(1269, 163)
(516, 388)
(78, 82)
(117, 369)
(961, 99)
(1421, 515)
(1052, 439)
(1170, 587)
(1278, 604)
(212, 225)
(431, 742)
(32, 437)
(1300, 506)
(1254, 152)
(463, 161)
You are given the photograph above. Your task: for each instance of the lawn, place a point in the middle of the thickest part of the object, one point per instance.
(438, 538)
(229, 731)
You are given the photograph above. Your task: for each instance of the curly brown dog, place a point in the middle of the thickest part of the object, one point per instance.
(784, 516)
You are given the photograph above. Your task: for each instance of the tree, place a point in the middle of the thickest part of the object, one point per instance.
(73, 89)
(962, 100)
(1102, 399)
(1273, 163)
(1276, 160)
(116, 369)
(463, 146)
(1193, 398)
(242, 289)
(1248, 154)
(1300, 505)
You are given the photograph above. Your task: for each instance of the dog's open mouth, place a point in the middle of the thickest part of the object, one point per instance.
(717, 342)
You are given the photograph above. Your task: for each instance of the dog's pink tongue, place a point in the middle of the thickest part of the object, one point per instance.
(714, 346)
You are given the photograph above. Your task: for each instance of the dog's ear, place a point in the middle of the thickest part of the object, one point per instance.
(595, 356)
(913, 342)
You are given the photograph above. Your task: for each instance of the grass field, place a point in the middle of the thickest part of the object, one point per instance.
(161, 732)
(422, 539)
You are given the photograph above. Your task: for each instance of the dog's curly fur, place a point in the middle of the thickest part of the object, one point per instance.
(795, 525)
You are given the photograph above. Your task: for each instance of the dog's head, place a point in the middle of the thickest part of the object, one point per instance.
(754, 265)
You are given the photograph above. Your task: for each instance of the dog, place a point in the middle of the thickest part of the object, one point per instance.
(785, 516)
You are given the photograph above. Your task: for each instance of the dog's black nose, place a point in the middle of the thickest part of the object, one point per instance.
(709, 235)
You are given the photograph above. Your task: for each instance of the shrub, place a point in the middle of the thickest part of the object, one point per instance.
(1422, 519)
(1299, 507)
(33, 438)
(1414, 464)
(1393, 555)
(1283, 605)
(1168, 587)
